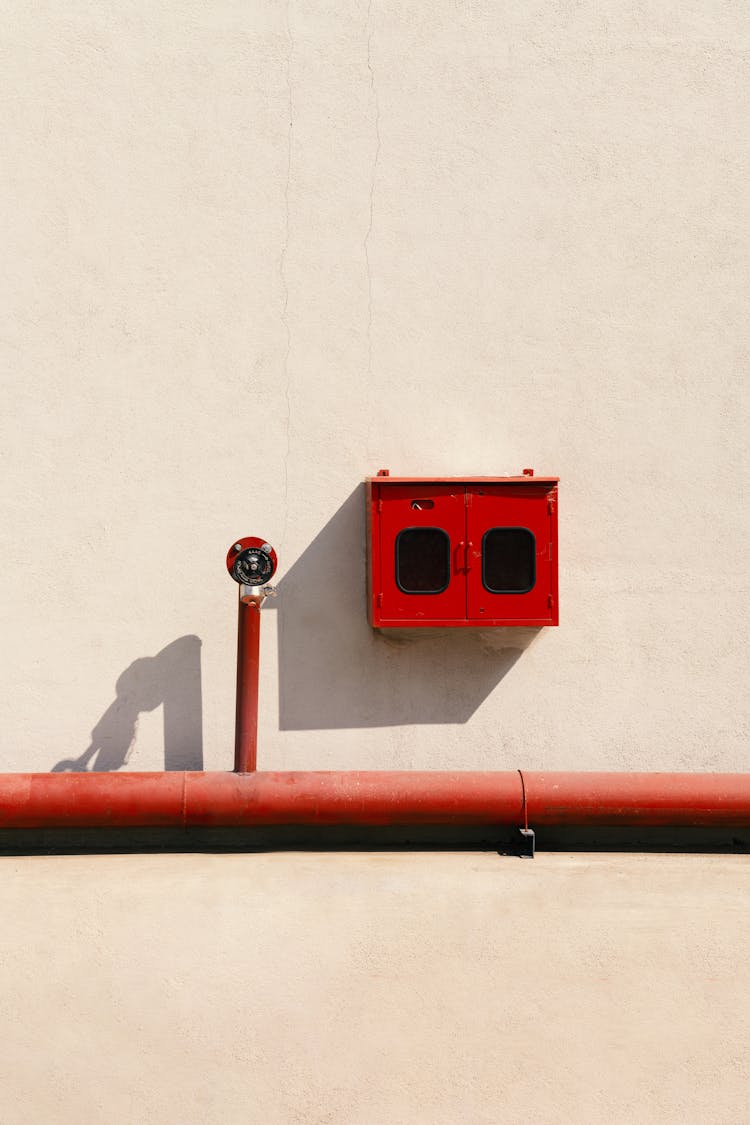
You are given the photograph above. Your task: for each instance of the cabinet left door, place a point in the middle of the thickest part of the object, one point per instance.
(420, 572)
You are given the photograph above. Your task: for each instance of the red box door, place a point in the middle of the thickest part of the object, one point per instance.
(509, 530)
(422, 555)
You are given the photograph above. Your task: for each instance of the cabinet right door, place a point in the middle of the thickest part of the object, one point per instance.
(511, 571)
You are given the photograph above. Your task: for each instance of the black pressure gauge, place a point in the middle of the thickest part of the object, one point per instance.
(251, 561)
(254, 567)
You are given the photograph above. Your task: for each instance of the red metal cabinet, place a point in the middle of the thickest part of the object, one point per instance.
(479, 551)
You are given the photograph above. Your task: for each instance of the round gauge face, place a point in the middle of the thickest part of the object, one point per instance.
(252, 567)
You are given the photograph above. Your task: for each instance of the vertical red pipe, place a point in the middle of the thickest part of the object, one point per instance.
(248, 664)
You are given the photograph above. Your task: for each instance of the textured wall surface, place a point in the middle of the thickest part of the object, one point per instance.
(252, 252)
(419, 989)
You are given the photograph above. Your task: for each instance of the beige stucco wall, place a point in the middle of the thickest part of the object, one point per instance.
(356, 990)
(253, 252)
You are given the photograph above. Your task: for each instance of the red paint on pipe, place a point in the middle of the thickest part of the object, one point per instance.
(230, 799)
(248, 666)
(352, 797)
(632, 799)
(82, 800)
(372, 799)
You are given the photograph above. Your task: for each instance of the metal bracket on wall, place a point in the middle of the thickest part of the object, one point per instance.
(520, 842)
(527, 842)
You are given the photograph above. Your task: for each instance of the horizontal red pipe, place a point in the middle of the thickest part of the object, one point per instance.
(384, 798)
(648, 799)
(99, 799)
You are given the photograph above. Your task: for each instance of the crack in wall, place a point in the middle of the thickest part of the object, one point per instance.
(286, 374)
(368, 234)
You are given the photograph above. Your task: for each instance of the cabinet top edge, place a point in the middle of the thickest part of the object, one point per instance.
(462, 480)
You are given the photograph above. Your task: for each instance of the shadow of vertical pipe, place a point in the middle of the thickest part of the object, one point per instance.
(171, 679)
(183, 704)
